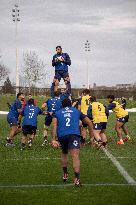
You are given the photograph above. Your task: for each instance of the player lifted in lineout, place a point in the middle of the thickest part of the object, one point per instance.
(122, 117)
(61, 61)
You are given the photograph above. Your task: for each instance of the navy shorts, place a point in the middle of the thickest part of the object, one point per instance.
(69, 142)
(99, 126)
(48, 120)
(123, 119)
(29, 130)
(12, 121)
(61, 74)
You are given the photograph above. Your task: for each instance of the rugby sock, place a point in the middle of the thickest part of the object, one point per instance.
(65, 170)
(30, 142)
(82, 140)
(23, 145)
(45, 137)
(77, 175)
(9, 140)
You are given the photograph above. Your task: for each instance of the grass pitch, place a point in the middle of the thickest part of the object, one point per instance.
(34, 176)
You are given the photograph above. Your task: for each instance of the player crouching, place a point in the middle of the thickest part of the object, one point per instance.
(66, 128)
(99, 114)
(29, 124)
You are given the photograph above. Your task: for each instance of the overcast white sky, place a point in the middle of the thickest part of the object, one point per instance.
(109, 25)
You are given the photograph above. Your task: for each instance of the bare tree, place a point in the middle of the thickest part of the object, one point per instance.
(33, 69)
(3, 72)
(8, 87)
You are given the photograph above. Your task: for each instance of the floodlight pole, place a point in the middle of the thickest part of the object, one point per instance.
(16, 19)
(87, 50)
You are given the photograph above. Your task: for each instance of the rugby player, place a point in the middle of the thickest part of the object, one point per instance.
(53, 105)
(66, 128)
(83, 107)
(12, 118)
(64, 94)
(61, 61)
(29, 124)
(122, 117)
(99, 114)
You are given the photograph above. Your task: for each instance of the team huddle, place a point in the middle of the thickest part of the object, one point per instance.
(72, 120)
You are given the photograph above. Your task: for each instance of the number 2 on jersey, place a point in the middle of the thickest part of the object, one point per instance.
(67, 122)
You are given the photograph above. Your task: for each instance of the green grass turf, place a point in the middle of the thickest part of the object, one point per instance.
(41, 165)
(10, 98)
(70, 196)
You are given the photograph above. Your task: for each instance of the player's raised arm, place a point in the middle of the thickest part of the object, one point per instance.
(67, 59)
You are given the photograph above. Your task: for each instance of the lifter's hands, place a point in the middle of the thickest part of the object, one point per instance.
(55, 143)
(59, 59)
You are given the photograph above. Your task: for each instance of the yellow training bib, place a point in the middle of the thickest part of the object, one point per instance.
(85, 102)
(119, 111)
(98, 112)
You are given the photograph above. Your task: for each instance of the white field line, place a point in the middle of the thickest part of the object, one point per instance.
(120, 168)
(61, 185)
(129, 110)
(119, 157)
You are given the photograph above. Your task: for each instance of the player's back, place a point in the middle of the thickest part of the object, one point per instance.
(30, 114)
(118, 110)
(85, 102)
(68, 121)
(54, 104)
(98, 112)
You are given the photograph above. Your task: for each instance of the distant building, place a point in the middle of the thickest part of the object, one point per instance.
(124, 86)
(103, 87)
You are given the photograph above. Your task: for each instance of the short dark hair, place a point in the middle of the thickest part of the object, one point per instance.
(86, 91)
(31, 101)
(66, 103)
(19, 94)
(58, 47)
(92, 99)
(111, 97)
(57, 93)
